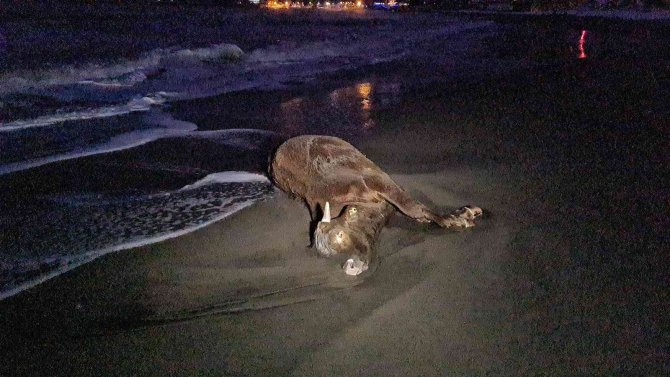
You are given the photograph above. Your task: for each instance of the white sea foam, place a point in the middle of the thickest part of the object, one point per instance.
(70, 262)
(167, 127)
(83, 227)
(136, 104)
(217, 53)
(126, 80)
(125, 73)
(227, 177)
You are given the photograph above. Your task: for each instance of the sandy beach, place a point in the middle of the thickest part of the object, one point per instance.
(564, 276)
(247, 297)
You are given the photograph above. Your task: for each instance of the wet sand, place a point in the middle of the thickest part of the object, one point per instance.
(565, 277)
(247, 297)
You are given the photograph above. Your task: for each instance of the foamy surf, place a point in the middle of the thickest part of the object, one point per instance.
(226, 177)
(135, 104)
(163, 125)
(79, 229)
(125, 73)
(126, 80)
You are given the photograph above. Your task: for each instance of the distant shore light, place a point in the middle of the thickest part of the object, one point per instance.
(582, 45)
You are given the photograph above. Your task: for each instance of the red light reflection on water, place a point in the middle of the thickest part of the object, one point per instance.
(582, 45)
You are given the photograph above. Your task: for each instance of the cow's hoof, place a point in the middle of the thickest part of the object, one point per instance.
(469, 212)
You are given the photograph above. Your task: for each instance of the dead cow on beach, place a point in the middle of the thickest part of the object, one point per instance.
(333, 177)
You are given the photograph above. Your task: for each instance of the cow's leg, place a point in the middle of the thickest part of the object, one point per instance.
(399, 198)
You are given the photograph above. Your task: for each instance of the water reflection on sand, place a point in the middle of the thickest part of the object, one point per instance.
(348, 110)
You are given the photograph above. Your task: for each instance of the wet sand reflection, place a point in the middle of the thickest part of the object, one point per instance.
(344, 111)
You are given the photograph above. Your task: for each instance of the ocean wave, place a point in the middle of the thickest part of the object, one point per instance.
(123, 73)
(135, 104)
(125, 80)
(205, 70)
(162, 125)
(226, 177)
(165, 75)
(79, 229)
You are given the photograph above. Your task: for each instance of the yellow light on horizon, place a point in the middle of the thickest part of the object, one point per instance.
(274, 4)
(364, 90)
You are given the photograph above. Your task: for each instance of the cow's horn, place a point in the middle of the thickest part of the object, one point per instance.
(326, 213)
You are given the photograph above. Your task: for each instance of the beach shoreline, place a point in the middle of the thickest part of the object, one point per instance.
(564, 277)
